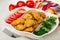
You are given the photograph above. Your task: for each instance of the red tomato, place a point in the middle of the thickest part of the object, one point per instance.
(20, 4)
(18, 14)
(11, 7)
(30, 4)
(13, 17)
(8, 21)
(21, 14)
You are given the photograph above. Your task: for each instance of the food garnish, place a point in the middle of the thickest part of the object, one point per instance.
(11, 7)
(20, 3)
(14, 16)
(46, 26)
(30, 4)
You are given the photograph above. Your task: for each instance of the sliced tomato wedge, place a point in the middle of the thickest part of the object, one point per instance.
(16, 13)
(11, 7)
(8, 21)
(20, 3)
(30, 4)
(13, 17)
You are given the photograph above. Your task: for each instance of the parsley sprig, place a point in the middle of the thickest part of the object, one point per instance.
(46, 26)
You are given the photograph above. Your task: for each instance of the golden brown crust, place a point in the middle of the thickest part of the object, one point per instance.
(27, 16)
(29, 21)
(20, 27)
(18, 21)
(30, 29)
(42, 14)
(36, 25)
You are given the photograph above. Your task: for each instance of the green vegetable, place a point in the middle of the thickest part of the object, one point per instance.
(46, 26)
(51, 20)
(40, 32)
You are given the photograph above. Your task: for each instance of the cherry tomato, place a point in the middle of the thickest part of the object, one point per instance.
(11, 7)
(20, 4)
(30, 4)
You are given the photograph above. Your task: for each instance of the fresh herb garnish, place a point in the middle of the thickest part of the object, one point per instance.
(46, 26)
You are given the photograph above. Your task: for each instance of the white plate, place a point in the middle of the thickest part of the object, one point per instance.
(23, 33)
(4, 13)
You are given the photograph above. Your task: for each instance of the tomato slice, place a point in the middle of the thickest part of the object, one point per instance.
(8, 21)
(20, 4)
(11, 7)
(13, 17)
(19, 13)
(30, 4)
(16, 13)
